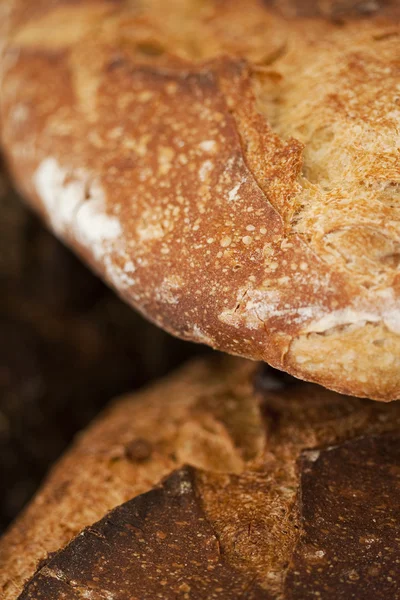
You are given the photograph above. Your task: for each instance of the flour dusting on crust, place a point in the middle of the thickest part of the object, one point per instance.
(349, 316)
(74, 202)
(76, 205)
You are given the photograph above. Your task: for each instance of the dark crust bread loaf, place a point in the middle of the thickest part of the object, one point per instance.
(233, 172)
(270, 488)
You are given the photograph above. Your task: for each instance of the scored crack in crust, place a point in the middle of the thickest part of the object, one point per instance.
(272, 488)
(234, 174)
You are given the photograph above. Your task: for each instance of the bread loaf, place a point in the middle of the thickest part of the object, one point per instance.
(231, 170)
(271, 488)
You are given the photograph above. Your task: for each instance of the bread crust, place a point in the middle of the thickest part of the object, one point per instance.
(295, 484)
(216, 178)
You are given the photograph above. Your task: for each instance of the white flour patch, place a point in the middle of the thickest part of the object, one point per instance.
(205, 170)
(167, 292)
(119, 276)
(347, 316)
(93, 226)
(366, 310)
(76, 205)
(60, 198)
(392, 320)
(202, 337)
(149, 232)
(233, 193)
(255, 307)
(208, 145)
(129, 267)
(390, 316)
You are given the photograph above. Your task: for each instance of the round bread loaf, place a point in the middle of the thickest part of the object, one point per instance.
(270, 489)
(232, 170)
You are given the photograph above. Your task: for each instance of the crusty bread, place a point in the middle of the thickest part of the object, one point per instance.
(273, 489)
(232, 170)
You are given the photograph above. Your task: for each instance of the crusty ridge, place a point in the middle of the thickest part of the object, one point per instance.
(234, 175)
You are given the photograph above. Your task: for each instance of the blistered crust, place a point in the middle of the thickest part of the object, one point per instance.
(234, 176)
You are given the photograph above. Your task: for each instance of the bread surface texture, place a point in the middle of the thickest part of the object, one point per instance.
(226, 480)
(232, 171)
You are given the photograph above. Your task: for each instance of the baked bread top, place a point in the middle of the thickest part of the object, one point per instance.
(232, 170)
(273, 489)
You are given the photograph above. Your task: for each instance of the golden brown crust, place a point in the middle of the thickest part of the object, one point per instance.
(252, 451)
(220, 171)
